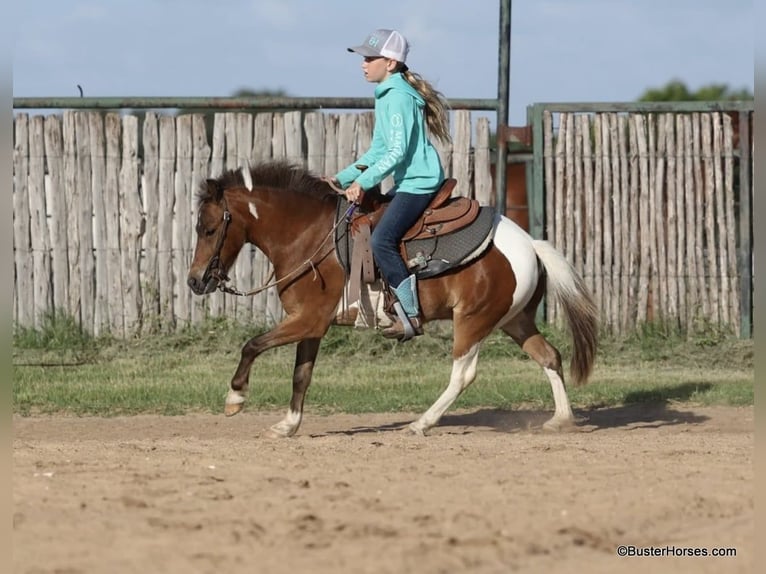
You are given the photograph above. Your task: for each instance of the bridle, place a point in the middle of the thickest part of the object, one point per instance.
(214, 270)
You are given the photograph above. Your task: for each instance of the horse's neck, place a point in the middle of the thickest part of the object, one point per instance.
(285, 225)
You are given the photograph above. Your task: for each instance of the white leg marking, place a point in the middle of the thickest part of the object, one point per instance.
(288, 426)
(235, 397)
(563, 416)
(463, 374)
(253, 210)
(234, 402)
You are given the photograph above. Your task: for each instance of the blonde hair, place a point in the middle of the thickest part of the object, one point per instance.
(436, 105)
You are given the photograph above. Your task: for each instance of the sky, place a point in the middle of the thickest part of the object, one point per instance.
(561, 50)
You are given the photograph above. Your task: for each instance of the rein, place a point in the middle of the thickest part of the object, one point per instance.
(214, 265)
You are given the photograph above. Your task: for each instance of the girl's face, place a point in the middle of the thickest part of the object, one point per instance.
(377, 69)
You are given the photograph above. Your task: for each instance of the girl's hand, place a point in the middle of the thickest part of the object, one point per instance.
(354, 193)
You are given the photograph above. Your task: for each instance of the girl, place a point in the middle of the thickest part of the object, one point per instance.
(406, 109)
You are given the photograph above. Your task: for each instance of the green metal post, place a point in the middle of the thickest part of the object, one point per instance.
(535, 184)
(745, 229)
(503, 83)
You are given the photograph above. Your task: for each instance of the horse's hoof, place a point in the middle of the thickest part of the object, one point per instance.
(232, 409)
(560, 425)
(276, 433)
(414, 430)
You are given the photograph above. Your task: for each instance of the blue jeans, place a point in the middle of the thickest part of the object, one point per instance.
(401, 214)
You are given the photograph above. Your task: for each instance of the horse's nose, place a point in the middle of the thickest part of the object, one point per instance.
(195, 284)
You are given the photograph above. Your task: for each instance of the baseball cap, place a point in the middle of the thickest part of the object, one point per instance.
(386, 43)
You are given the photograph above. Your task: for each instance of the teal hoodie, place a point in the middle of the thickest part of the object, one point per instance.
(400, 143)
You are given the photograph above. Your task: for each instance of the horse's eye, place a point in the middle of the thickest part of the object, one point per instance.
(205, 231)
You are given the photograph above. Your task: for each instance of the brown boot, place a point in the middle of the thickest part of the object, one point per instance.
(398, 329)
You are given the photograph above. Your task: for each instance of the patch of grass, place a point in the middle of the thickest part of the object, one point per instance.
(56, 331)
(59, 369)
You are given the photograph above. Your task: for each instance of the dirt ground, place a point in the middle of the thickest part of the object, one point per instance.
(487, 491)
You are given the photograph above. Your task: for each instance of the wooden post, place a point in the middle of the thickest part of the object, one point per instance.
(731, 224)
(331, 166)
(721, 246)
(707, 193)
(578, 195)
(314, 126)
(461, 153)
(243, 272)
(100, 229)
(165, 215)
(54, 153)
(598, 201)
(22, 247)
(612, 217)
(698, 189)
(556, 212)
(483, 188)
(589, 203)
(639, 141)
(670, 263)
(217, 301)
(72, 197)
(150, 194)
(657, 143)
(294, 138)
(84, 211)
(629, 231)
(200, 172)
(132, 225)
(680, 270)
(693, 298)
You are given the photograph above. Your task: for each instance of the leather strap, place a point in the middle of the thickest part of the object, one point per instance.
(362, 265)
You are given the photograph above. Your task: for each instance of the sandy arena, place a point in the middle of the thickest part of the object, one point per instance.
(486, 492)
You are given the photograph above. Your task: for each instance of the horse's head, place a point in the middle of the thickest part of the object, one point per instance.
(219, 240)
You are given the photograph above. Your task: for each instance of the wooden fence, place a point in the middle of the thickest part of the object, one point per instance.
(103, 207)
(643, 205)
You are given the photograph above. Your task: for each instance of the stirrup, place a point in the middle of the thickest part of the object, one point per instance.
(404, 327)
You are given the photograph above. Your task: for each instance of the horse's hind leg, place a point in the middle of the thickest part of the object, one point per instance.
(305, 358)
(463, 374)
(523, 330)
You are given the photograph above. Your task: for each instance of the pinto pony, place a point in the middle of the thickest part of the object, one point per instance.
(290, 215)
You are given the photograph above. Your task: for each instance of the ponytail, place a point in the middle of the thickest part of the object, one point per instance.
(436, 105)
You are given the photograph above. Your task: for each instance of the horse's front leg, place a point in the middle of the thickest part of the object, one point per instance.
(305, 358)
(291, 330)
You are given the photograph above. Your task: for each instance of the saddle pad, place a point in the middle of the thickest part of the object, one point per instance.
(444, 252)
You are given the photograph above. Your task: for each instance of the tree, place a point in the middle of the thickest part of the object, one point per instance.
(676, 91)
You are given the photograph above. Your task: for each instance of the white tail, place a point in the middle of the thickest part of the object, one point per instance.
(581, 312)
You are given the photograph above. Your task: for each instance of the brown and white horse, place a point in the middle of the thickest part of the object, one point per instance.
(289, 214)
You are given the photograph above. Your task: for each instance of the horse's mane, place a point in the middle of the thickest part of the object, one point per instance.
(275, 174)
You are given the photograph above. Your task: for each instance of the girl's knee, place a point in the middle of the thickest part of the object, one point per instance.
(380, 243)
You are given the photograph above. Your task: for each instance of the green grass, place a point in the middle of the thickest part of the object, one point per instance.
(58, 369)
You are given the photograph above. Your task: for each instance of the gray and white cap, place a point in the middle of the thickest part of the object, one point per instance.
(386, 43)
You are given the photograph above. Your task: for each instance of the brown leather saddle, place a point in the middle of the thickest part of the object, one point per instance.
(445, 214)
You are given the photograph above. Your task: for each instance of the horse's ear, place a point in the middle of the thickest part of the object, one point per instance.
(215, 189)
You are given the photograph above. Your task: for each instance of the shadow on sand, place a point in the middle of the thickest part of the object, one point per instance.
(641, 409)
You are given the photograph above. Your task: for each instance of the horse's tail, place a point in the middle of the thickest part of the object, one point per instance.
(580, 310)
